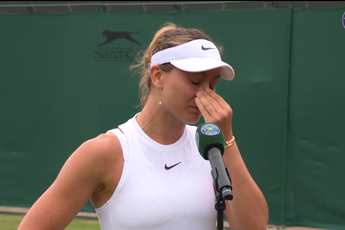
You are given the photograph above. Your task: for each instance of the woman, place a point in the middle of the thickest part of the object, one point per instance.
(148, 173)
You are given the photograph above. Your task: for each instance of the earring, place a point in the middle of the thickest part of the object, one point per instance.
(160, 95)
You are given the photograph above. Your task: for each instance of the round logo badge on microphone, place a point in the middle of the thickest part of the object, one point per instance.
(210, 129)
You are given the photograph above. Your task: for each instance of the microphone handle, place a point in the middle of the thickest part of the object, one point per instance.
(220, 173)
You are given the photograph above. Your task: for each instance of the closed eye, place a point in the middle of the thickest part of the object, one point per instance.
(196, 83)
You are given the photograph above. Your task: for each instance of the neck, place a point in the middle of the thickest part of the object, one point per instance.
(159, 124)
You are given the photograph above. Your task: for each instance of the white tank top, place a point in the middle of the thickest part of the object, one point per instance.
(163, 187)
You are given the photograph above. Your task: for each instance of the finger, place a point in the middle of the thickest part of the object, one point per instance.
(221, 106)
(202, 109)
(213, 100)
(216, 97)
(207, 103)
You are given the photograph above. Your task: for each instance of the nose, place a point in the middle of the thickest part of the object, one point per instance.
(205, 86)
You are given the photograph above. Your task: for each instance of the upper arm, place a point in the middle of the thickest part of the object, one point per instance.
(83, 171)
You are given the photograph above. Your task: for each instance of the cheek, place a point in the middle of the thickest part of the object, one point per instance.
(181, 94)
(189, 92)
(179, 90)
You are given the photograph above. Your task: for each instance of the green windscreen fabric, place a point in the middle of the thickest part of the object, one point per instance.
(64, 78)
(316, 150)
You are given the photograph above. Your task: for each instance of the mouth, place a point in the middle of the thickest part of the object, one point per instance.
(195, 108)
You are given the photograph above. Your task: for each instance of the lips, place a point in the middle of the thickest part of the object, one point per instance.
(195, 108)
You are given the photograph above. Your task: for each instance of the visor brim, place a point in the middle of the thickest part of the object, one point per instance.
(204, 64)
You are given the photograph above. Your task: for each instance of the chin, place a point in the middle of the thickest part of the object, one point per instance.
(192, 119)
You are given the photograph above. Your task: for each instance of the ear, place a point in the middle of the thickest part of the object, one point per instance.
(156, 75)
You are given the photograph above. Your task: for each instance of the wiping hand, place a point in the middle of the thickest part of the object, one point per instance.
(215, 110)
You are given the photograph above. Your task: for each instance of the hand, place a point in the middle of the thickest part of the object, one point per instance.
(215, 110)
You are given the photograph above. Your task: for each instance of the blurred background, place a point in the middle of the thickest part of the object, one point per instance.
(60, 85)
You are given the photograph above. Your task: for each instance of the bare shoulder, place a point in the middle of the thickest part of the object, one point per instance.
(100, 156)
(94, 159)
(84, 171)
(105, 146)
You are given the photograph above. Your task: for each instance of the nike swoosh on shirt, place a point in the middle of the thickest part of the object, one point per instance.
(170, 167)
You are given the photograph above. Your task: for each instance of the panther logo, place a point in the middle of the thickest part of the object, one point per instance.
(113, 35)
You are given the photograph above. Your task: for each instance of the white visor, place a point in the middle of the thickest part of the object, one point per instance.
(194, 56)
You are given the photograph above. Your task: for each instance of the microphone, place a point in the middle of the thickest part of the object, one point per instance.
(210, 142)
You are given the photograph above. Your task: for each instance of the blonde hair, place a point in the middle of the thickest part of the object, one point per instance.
(169, 35)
